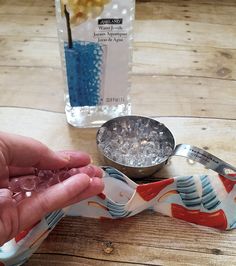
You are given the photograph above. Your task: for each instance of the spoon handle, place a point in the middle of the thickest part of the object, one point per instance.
(207, 159)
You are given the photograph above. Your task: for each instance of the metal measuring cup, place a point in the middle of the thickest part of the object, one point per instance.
(132, 124)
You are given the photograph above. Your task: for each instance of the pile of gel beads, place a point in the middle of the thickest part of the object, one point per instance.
(41, 180)
(135, 142)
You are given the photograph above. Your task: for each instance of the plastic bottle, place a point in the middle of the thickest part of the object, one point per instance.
(95, 39)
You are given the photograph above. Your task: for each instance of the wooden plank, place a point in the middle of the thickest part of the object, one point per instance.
(168, 2)
(147, 229)
(202, 2)
(27, 7)
(31, 25)
(27, 3)
(32, 87)
(42, 88)
(183, 96)
(163, 59)
(160, 31)
(209, 12)
(34, 51)
(177, 32)
(185, 33)
(146, 239)
(148, 58)
(51, 128)
(61, 259)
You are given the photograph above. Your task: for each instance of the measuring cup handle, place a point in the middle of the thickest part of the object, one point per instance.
(205, 158)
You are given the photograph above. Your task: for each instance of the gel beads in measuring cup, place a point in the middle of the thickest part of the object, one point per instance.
(135, 141)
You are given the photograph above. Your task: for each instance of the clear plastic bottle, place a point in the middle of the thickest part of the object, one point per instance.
(95, 39)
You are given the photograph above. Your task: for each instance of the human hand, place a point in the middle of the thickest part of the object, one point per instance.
(19, 156)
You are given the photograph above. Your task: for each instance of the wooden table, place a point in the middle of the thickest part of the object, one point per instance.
(184, 74)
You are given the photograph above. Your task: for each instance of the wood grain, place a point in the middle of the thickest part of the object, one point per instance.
(165, 95)
(146, 239)
(32, 87)
(214, 135)
(170, 80)
(184, 75)
(185, 33)
(162, 59)
(183, 96)
(190, 63)
(213, 12)
(149, 58)
(161, 31)
(27, 7)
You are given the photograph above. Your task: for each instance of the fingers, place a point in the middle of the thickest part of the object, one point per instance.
(9, 225)
(96, 187)
(90, 170)
(20, 171)
(70, 191)
(34, 183)
(5, 193)
(75, 159)
(26, 152)
(4, 172)
(18, 151)
(58, 196)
